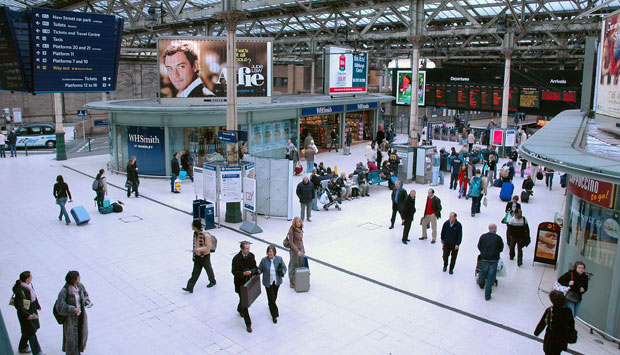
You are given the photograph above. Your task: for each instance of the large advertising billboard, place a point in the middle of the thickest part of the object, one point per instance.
(608, 89)
(404, 87)
(194, 69)
(347, 71)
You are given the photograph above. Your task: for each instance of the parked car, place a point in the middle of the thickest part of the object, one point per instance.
(36, 135)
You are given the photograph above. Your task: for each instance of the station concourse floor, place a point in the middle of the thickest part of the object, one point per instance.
(369, 293)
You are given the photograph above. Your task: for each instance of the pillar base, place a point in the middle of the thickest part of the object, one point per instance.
(233, 212)
(61, 152)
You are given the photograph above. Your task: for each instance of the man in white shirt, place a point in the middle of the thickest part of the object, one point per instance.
(182, 66)
(2, 144)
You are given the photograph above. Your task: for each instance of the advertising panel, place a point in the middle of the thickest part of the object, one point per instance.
(194, 68)
(268, 136)
(547, 240)
(257, 138)
(608, 85)
(147, 145)
(249, 200)
(404, 87)
(347, 71)
(511, 137)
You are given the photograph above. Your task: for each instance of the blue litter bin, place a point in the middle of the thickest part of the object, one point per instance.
(209, 216)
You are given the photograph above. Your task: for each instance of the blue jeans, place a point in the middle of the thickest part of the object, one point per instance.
(63, 211)
(100, 197)
(441, 177)
(549, 180)
(315, 206)
(13, 150)
(435, 170)
(34, 343)
(2, 155)
(487, 276)
(574, 307)
(309, 167)
(172, 178)
(133, 187)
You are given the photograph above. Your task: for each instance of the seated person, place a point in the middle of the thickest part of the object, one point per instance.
(334, 188)
(385, 170)
(353, 187)
(328, 171)
(528, 185)
(372, 166)
(320, 170)
(343, 182)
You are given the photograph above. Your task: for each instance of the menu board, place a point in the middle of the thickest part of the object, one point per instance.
(486, 98)
(74, 51)
(548, 95)
(569, 96)
(440, 96)
(497, 99)
(529, 98)
(451, 96)
(474, 98)
(430, 95)
(462, 97)
(547, 241)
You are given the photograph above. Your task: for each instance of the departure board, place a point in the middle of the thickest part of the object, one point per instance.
(429, 95)
(74, 51)
(486, 98)
(513, 99)
(451, 96)
(440, 96)
(11, 70)
(569, 96)
(529, 98)
(548, 95)
(497, 99)
(462, 97)
(474, 98)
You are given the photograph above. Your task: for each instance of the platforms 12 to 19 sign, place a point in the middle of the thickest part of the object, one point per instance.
(73, 51)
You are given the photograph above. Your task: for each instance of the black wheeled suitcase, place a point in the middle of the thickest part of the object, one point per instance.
(525, 196)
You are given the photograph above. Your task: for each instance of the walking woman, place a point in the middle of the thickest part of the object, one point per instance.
(61, 192)
(463, 179)
(297, 251)
(519, 235)
(27, 305)
(492, 173)
(559, 323)
(102, 188)
(273, 269)
(577, 280)
(72, 303)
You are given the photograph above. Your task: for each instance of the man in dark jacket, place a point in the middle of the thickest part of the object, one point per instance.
(528, 185)
(455, 165)
(12, 140)
(175, 170)
(432, 211)
(451, 236)
(186, 164)
(132, 177)
(334, 188)
(334, 137)
(398, 200)
(489, 245)
(408, 212)
(243, 267)
(305, 192)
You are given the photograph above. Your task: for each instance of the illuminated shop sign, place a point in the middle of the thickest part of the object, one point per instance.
(595, 191)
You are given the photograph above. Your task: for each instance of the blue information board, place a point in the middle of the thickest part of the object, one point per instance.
(74, 51)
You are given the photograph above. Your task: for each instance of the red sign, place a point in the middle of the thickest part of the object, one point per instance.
(594, 191)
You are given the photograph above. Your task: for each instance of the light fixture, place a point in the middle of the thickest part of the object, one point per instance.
(151, 19)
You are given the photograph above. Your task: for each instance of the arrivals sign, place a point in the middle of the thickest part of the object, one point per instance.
(547, 241)
(594, 191)
(347, 72)
(405, 87)
(608, 85)
(147, 145)
(74, 51)
(195, 68)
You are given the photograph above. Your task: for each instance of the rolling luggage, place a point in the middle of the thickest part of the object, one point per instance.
(302, 279)
(80, 216)
(346, 150)
(506, 193)
(525, 196)
(498, 183)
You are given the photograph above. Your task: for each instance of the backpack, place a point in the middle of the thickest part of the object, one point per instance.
(505, 172)
(97, 185)
(476, 185)
(59, 317)
(213, 241)
(116, 207)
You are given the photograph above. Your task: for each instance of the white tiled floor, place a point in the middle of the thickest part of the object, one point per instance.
(134, 273)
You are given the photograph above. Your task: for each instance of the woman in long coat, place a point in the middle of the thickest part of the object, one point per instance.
(71, 303)
(27, 313)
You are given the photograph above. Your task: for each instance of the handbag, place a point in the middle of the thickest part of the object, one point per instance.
(572, 336)
(572, 295)
(484, 201)
(559, 287)
(505, 219)
(26, 301)
(286, 242)
(127, 185)
(250, 291)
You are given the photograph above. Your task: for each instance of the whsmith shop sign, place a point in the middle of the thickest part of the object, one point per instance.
(147, 145)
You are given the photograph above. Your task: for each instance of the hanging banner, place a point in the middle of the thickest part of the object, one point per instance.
(594, 191)
(209, 182)
(249, 201)
(230, 184)
(608, 85)
(198, 182)
(547, 240)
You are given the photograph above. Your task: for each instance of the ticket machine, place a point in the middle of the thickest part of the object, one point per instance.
(423, 171)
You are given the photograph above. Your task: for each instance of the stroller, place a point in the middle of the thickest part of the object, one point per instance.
(327, 198)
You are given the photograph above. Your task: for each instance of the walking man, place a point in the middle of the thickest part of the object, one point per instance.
(476, 191)
(305, 192)
(334, 137)
(175, 170)
(243, 267)
(202, 256)
(451, 236)
(455, 165)
(398, 199)
(310, 152)
(13, 143)
(408, 212)
(490, 245)
(432, 211)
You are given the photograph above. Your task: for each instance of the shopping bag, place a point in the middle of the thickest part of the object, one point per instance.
(501, 268)
(558, 287)
(324, 199)
(484, 201)
(505, 219)
(250, 291)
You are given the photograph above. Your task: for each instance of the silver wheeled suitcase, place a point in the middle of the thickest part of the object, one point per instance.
(302, 279)
(346, 150)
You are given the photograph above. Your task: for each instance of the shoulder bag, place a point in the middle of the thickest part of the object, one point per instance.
(26, 301)
(572, 295)
(286, 242)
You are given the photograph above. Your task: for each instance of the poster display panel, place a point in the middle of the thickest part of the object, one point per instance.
(209, 182)
(608, 85)
(257, 138)
(194, 68)
(547, 240)
(199, 189)
(347, 71)
(230, 184)
(249, 190)
(404, 87)
(511, 137)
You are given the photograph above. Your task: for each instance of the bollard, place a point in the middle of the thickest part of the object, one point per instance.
(89, 144)
(25, 148)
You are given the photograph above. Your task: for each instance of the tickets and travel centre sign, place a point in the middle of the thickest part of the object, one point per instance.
(598, 192)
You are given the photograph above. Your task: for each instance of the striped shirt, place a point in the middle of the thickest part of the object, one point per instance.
(202, 243)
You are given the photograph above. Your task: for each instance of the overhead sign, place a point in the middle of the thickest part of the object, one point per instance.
(11, 68)
(227, 136)
(230, 184)
(323, 110)
(74, 51)
(195, 68)
(82, 113)
(598, 192)
(405, 87)
(347, 72)
(147, 145)
(547, 241)
(100, 123)
(608, 85)
(361, 107)
(249, 195)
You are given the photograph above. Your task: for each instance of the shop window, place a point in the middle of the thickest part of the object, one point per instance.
(594, 232)
(280, 82)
